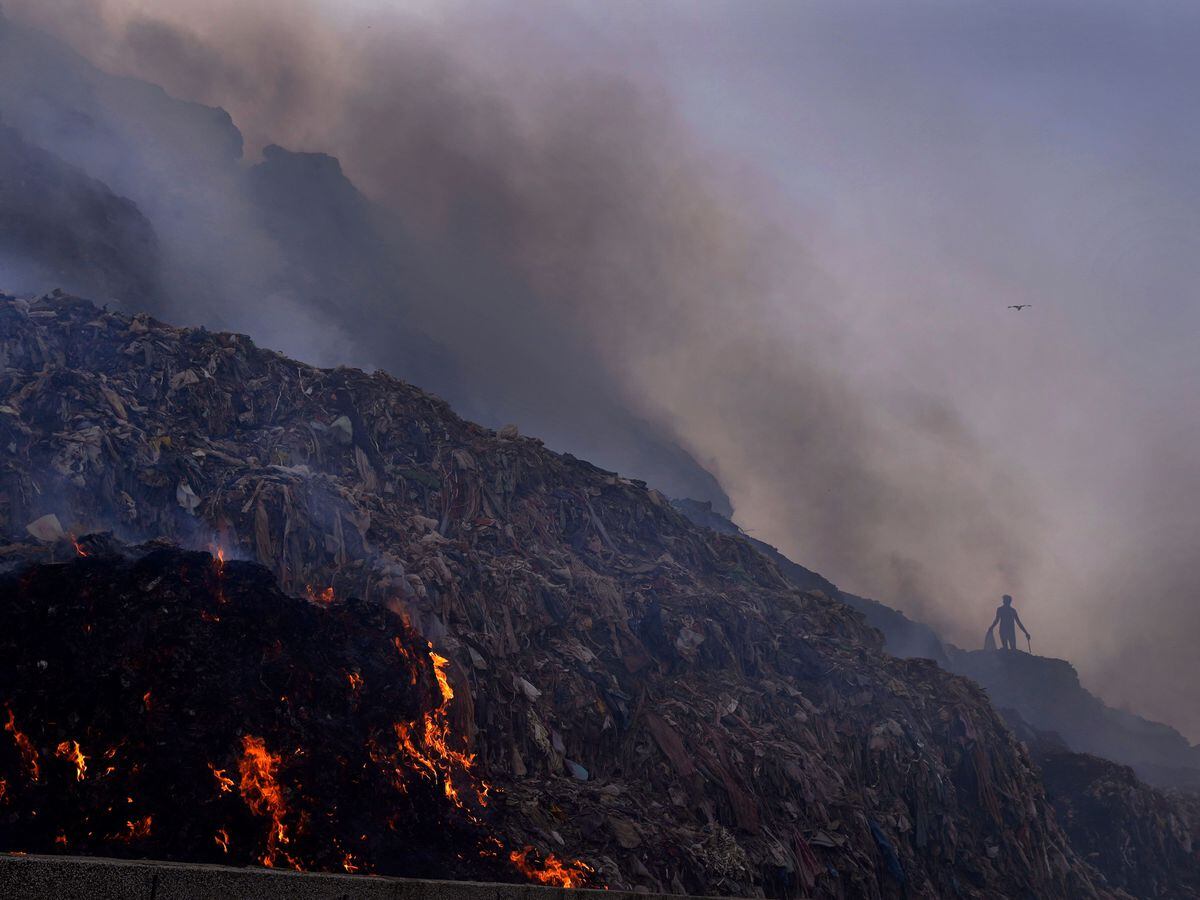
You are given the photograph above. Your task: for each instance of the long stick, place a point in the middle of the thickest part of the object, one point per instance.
(1029, 643)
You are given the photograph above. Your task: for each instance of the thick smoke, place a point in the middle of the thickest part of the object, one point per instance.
(571, 257)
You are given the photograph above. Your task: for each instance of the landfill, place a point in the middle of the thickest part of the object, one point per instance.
(643, 696)
(169, 704)
(1143, 840)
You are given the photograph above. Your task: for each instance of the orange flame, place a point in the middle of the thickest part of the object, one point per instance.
(70, 750)
(356, 681)
(79, 549)
(404, 654)
(552, 871)
(428, 744)
(224, 782)
(218, 555)
(137, 830)
(348, 863)
(29, 755)
(262, 793)
(326, 596)
(440, 663)
(222, 839)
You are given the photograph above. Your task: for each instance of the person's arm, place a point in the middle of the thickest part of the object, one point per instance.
(1020, 623)
(995, 621)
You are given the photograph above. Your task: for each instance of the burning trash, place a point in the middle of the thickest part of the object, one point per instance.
(254, 749)
(552, 870)
(323, 596)
(70, 750)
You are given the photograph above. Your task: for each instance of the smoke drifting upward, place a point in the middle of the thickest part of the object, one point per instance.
(554, 244)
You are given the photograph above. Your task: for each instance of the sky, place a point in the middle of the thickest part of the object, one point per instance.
(789, 234)
(955, 158)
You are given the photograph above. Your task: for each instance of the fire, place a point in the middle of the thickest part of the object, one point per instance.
(29, 755)
(79, 548)
(427, 754)
(70, 750)
(428, 744)
(326, 596)
(219, 561)
(399, 645)
(137, 830)
(440, 663)
(262, 793)
(553, 871)
(224, 782)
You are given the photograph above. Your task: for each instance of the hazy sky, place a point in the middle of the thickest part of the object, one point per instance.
(952, 159)
(821, 317)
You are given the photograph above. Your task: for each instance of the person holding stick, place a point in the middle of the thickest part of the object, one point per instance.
(1009, 621)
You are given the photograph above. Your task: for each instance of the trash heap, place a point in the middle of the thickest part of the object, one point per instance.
(1141, 839)
(645, 695)
(171, 705)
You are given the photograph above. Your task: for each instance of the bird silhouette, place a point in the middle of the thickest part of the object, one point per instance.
(1020, 306)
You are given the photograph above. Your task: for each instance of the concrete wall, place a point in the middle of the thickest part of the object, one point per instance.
(92, 878)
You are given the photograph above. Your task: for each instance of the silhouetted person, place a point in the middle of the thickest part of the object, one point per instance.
(1008, 621)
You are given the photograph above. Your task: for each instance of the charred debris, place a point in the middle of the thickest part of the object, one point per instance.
(645, 696)
(170, 704)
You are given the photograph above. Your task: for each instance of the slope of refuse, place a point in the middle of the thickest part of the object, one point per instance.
(645, 695)
(1143, 840)
(902, 636)
(172, 705)
(1049, 696)
(1046, 692)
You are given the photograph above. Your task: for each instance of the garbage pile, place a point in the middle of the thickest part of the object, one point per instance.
(1141, 839)
(172, 705)
(645, 695)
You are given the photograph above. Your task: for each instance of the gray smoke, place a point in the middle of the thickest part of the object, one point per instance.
(552, 243)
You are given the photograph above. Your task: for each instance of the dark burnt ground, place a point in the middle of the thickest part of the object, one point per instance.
(212, 709)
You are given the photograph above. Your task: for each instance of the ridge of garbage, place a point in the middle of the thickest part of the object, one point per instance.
(650, 697)
(1142, 838)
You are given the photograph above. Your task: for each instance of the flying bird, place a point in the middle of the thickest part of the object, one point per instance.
(1020, 306)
